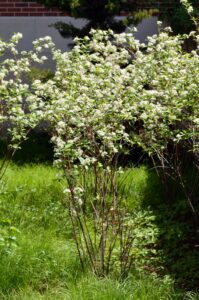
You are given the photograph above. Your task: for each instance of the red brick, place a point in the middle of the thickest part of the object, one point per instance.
(3, 4)
(13, 9)
(51, 14)
(20, 14)
(7, 14)
(21, 4)
(42, 9)
(36, 14)
(64, 14)
(34, 4)
(27, 8)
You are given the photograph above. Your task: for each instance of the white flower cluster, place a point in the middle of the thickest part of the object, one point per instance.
(18, 109)
(108, 93)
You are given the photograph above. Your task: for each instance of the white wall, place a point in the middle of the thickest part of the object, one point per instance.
(35, 27)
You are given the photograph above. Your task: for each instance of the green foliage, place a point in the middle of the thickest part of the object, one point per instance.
(178, 15)
(40, 74)
(8, 239)
(78, 6)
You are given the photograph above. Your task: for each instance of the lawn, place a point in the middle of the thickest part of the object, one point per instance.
(38, 255)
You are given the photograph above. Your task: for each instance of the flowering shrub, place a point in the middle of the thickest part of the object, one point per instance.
(108, 93)
(18, 111)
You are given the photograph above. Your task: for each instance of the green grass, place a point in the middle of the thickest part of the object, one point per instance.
(105, 289)
(38, 259)
(140, 186)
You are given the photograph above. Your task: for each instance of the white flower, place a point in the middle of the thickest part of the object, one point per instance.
(66, 191)
(190, 9)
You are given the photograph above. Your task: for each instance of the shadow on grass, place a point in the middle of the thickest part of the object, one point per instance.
(178, 238)
(36, 149)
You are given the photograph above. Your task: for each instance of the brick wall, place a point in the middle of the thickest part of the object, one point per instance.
(26, 8)
(32, 8)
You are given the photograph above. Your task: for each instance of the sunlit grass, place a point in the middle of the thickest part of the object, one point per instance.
(42, 263)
